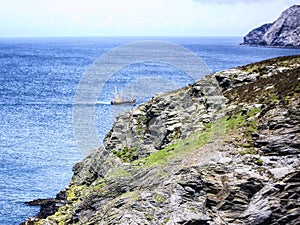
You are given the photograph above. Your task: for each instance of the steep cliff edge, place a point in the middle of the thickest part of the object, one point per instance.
(284, 32)
(224, 150)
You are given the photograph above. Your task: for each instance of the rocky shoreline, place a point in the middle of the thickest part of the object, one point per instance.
(269, 46)
(224, 150)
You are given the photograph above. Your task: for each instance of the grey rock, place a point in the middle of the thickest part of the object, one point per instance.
(284, 32)
(219, 182)
(256, 36)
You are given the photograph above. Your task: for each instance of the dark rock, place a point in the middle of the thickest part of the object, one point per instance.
(255, 37)
(244, 169)
(48, 206)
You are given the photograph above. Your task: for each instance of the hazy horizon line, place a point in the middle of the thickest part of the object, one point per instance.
(115, 36)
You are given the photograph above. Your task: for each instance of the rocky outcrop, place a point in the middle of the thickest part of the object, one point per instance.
(224, 150)
(47, 206)
(284, 32)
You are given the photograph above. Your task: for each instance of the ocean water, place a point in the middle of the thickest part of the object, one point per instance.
(38, 82)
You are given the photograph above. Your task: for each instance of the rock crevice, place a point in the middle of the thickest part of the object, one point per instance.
(224, 150)
(284, 32)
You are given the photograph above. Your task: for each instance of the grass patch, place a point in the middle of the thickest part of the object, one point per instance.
(127, 154)
(183, 146)
(180, 147)
(241, 120)
(99, 184)
(241, 125)
(119, 172)
(134, 195)
(248, 150)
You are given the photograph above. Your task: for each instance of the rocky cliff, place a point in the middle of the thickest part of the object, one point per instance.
(224, 150)
(284, 32)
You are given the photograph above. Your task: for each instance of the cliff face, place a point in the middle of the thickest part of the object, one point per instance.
(284, 32)
(224, 150)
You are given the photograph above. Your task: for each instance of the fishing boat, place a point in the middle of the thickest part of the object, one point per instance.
(119, 99)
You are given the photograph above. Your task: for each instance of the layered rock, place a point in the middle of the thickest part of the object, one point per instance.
(284, 32)
(224, 150)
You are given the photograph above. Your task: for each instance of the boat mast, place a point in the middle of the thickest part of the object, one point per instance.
(116, 93)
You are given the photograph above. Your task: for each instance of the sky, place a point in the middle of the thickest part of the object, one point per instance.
(137, 17)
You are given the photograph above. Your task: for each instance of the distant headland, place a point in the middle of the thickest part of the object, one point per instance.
(284, 32)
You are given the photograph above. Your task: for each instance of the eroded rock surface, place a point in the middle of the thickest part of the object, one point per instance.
(284, 32)
(224, 150)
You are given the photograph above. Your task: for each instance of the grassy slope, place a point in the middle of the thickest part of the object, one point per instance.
(235, 129)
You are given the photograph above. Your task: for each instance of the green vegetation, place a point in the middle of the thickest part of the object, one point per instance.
(139, 129)
(166, 221)
(119, 172)
(127, 154)
(207, 125)
(183, 146)
(131, 194)
(249, 150)
(259, 162)
(242, 120)
(255, 69)
(61, 217)
(140, 121)
(240, 127)
(262, 67)
(149, 217)
(280, 87)
(159, 198)
(237, 129)
(179, 148)
(75, 191)
(99, 184)
(176, 134)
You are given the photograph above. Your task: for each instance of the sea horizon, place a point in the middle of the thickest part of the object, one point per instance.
(38, 147)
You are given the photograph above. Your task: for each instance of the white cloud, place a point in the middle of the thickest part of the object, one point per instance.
(136, 17)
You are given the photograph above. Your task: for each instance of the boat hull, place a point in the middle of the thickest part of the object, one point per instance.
(131, 102)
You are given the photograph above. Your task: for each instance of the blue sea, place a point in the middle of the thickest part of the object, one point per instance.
(38, 82)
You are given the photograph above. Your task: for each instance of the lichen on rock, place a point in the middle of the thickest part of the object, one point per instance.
(204, 154)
